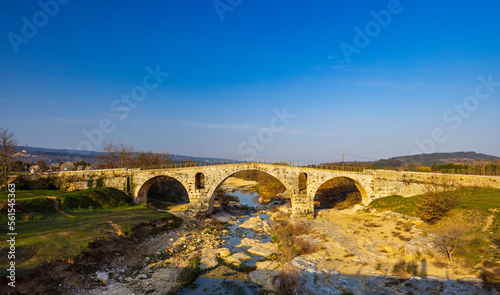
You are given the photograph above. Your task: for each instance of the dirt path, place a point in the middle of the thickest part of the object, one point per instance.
(489, 222)
(55, 202)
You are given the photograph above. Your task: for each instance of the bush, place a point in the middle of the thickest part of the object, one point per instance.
(434, 205)
(288, 282)
(25, 182)
(293, 241)
(37, 205)
(93, 198)
(401, 268)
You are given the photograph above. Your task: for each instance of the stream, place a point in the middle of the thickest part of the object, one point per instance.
(227, 278)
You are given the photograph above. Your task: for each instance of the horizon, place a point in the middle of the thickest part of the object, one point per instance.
(253, 80)
(229, 159)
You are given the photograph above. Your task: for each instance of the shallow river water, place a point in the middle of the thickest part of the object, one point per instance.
(226, 278)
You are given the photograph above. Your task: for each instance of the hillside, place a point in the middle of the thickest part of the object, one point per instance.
(29, 154)
(427, 160)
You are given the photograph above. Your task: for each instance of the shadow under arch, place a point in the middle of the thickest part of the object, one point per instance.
(359, 187)
(142, 195)
(213, 191)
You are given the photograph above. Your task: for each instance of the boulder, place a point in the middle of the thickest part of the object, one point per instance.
(258, 224)
(222, 217)
(246, 242)
(237, 258)
(103, 277)
(263, 277)
(420, 244)
(264, 249)
(270, 265)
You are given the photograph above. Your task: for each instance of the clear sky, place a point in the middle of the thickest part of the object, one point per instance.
(282, 80)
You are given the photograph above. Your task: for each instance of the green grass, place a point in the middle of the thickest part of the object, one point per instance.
(397, 204)
(482, 199)
(25, 195)
(36, 200)
(53, 236)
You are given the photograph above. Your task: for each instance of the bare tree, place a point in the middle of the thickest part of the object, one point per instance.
(116, 155)
(7, 150)
(450, 233)
(145, 159)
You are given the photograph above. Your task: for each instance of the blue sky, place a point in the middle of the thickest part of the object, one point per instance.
(233, 65)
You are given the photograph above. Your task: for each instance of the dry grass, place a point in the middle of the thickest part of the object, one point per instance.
(440, 264)
(402, 267)
(287, 282)
(293, 241)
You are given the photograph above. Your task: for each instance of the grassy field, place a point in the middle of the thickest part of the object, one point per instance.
(479, 246)
(46, 234)
(485, 200)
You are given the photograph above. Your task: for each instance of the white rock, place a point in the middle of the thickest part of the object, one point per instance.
(103, 277)
(263, 277)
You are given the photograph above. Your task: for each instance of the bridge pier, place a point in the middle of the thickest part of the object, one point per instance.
(200, 203)
(302, 204)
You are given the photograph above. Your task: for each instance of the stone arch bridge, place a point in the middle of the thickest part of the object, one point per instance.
(201, 182)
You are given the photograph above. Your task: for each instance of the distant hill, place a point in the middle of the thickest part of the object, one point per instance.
(50, 156)
(426, 159)
(445, 158)
(32, 154)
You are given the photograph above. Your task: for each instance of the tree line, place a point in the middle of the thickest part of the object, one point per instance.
(125, 156)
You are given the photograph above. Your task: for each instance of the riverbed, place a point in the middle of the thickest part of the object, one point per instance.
(227, 278)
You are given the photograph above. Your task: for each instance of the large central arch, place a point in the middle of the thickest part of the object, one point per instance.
(218, 180)
(212, 192)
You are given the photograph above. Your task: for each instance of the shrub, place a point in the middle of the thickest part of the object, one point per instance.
(287, 282)
(434, 205)
(412, 268)
(401, 268)
(93, 198)
(26, 182)
(292, 238)
(490, 278)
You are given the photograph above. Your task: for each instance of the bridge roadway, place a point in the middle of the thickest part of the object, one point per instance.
(201, 181)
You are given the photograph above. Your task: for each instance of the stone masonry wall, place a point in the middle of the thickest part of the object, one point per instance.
(372, 184)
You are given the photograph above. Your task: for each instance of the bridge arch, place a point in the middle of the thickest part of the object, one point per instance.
(216, 183)
(359, 186)
(142, 189)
